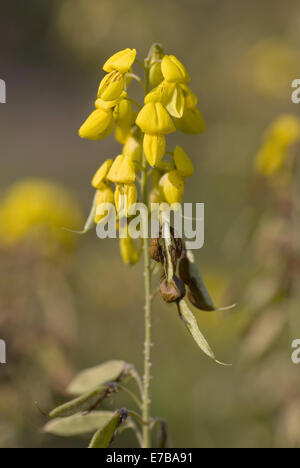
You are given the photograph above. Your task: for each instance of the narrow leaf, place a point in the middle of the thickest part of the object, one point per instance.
(82, 423)
(89, 379)
(104, 435)
(86, 402)
(90, 220)
(191, 324)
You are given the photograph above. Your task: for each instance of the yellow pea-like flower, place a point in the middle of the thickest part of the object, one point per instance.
(183, 163)
(286, 129)
(270, 158)
(156, 196)
(122, 171)
(106, 105)
(153, 119)
(173, 70)
(111, 86)
(155, 74)
(98, 125)
(172, 187)
(104, 195)
(170, 95)
(120, 61)
(191, 99)
(125, 197)
(124, 116)
(128, 251)
(133, 148)
(154, 148)
(100, 176)
(192, 122)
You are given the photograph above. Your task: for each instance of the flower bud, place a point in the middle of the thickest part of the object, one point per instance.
(122, 171)
(191, 122)
(121, 61)
(172, 186)
(111, 86)
(183, 163)
(105, 195)
(173, 70)
(154, 119)
(133, 146)
(156, 76)
(101, 174)
(125, 197)
(98, 125)
(154, 148)
(128, 252)
(173, 292)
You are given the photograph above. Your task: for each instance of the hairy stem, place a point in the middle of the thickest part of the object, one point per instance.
(147, 278)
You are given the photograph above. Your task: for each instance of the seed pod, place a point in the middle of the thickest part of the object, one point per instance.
(173, 255)
(173, 292)
(156, 250)
(197, 298)
(178, 246)
(184, 270)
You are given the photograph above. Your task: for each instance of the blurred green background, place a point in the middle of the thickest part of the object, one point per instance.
(77, 309)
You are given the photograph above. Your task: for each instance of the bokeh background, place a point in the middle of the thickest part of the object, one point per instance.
(67, 309)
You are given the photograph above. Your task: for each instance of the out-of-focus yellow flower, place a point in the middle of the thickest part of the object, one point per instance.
(125, 197)
(101, 174)
(170, 95)
(104, 195)
(154, 148)
(133, 146)
(120, 61)
(111, 86)
(128, 251)
(172, 186)
(38, 209)
(154, 119)
(279, 137)
(183, 163)
(173, 70)
(98, 125)
(191, 122)
(122, 171)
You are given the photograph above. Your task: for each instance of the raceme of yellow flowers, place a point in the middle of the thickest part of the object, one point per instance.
(282, 134)
(169, 106)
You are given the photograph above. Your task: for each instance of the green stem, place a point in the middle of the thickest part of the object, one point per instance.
(147, 278)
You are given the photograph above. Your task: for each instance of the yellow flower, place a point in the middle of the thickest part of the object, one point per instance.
(121, 61)
(286, 129)
(170, 95)
(270, 158)
(98, 125)
(122, 171)
(154, 119)
(155, 196)
(106, 105)
(37, 210)
(191, 122)
(155, 74)
(172, 187)
(111, 86)
(154, 148)
(104, 195)
(133, 146)
(183, 163)
(124, 116)
(165, 166)
(125, 197)
(191, 99)
(128, 252)
(101, 174)
(173, 70)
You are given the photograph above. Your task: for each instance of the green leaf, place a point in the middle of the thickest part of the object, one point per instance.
(85, 402)
(82, 423)
(90, 222)
(104, 435)
(191, 324)
(89, 379)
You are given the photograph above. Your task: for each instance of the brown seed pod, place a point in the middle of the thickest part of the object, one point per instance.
(197, 298)
(172, 292)
(156, 250)
(184, 270)
(173, 254)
